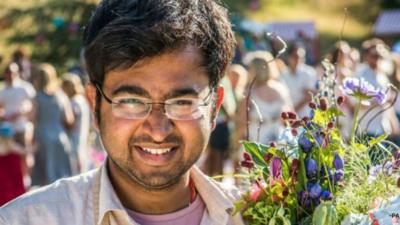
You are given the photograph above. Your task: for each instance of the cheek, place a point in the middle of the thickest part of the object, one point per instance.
(196, 136)
(115, 133)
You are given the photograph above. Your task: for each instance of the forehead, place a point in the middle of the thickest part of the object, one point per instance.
(159, 75)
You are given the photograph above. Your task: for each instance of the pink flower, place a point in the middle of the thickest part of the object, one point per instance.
(255, 192)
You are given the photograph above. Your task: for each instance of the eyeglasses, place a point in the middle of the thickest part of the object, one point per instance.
(139, 108)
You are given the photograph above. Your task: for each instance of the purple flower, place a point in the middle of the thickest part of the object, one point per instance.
(380, 97)
(326, 195)
(361, 89)
(311, 168)
(396, 160)
(319, 137)
(311, 114)
(338, 162)
(303, 197)
(323, 174)
(386, 169)
(305, 143)
(314, 189)
(276, 168)
(338, 176)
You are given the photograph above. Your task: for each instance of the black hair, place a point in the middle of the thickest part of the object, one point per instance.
(122, 32)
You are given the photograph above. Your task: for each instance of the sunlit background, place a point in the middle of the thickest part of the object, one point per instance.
(50, 30)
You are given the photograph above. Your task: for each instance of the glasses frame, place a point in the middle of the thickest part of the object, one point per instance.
(206, 101)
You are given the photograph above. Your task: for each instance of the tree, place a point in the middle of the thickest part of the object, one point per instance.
(51, 28)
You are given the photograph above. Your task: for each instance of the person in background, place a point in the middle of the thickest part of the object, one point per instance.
(219, 145)
(154, 68)
(24, 63)
(374, 51)
(300, 78)
(394, 95)
(238, 76)
(376, 122)
(16, 99)
(340, 57)
(72, 86)
(240, 50)
(11, 160)
(53, 118)
(269, 97)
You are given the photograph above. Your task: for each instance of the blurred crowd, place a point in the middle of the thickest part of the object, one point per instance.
(45, 127)
(261, 83)
(45, 122)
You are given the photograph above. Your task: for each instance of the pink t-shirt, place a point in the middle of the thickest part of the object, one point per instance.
(190, 215)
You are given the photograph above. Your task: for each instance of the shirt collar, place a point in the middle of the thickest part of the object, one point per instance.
(218, 205)
(107, 198)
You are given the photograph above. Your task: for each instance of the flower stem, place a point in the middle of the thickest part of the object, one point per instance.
(355, 122)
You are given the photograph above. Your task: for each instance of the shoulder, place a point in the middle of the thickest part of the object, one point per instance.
(60, 199)
(28, 87)
(279, 86)
(308, 71)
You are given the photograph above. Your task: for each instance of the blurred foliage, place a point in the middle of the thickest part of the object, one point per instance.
(50, 29)
(390, 4)
(327, 15)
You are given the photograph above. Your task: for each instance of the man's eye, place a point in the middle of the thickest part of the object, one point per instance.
(184, 102)
(130, 101)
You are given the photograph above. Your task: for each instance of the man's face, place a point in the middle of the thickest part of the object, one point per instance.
(156, 151)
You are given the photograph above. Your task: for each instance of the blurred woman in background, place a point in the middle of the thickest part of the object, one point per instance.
(270, 96)
(54, 117)
(72, 86)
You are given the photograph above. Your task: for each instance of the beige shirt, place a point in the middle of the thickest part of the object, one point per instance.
(90, 199)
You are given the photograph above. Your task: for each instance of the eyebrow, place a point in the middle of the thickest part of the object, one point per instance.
(183, 92)
(129, 89)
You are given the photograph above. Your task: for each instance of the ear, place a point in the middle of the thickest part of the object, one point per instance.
(218, 104)
(90, 91)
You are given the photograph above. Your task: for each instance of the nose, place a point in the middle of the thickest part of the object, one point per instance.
(157, 124)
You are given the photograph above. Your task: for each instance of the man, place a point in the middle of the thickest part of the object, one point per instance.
(300, 79)
(374, 52)
(16, 104)
(154, 66)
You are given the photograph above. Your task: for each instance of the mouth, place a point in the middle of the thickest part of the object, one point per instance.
(156, 156)
(157, 151)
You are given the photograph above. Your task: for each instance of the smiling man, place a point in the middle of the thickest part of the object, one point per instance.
(154, 67)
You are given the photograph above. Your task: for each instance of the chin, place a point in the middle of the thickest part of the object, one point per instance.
(157, 180)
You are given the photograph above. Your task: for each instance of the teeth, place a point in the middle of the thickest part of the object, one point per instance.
(157, 151)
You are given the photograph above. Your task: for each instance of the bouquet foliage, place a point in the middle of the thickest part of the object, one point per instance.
(313, 174)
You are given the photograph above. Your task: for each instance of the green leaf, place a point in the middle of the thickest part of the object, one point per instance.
(359, 147)
(239, 205)
(285, 170)
(254, 150)
(325, 214)
(377, 140)
(319, 215)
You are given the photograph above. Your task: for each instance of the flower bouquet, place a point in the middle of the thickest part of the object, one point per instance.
(314, 175)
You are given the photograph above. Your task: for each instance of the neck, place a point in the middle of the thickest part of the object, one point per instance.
(143, 200)
(293, 69)
(10, 83)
